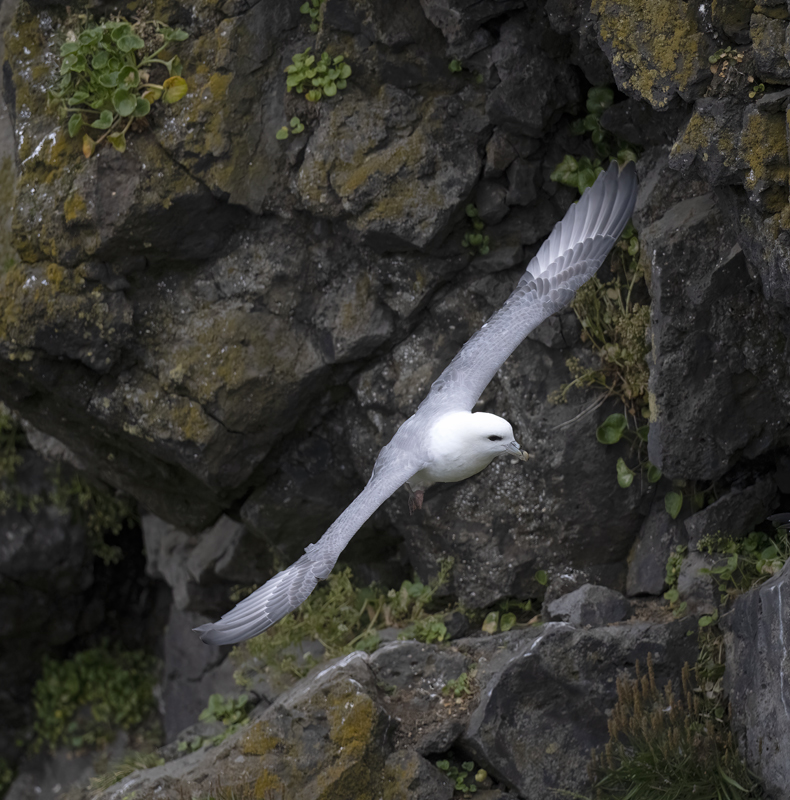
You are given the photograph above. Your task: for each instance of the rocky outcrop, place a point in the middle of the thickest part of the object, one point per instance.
(228, 326)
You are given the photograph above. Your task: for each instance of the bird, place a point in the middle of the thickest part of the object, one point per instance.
(444, 440)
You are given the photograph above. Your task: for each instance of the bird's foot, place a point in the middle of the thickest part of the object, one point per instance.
(415, 500)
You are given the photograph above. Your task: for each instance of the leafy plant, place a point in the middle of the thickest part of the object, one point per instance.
(459, 775)
(344, 617)
(317, 78)
(296, 127)
(230, 711)
(674, 564)
(614, 316)
(581, 172)
(665, 746)
(455, 65)
(614, 428)
(751, 560)
(475, 241)
(106, 79)
(83, 700)
(460, 685)
(97, 510)
(721, 53)
(314, 9)
(757, 88)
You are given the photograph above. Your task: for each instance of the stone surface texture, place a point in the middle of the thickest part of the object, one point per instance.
(227, 327)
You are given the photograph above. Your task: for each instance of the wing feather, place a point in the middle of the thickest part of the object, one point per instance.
(290, 588)
(570, 256)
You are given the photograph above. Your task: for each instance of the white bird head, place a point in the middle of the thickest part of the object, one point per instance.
(492, 434)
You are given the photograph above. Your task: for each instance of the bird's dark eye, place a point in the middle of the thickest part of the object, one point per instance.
(494, 438)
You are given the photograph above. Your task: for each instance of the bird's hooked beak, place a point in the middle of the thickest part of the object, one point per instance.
(514, 448)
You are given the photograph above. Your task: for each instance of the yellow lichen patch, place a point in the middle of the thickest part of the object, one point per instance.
(268, 786)
(75, 209)
(763, 148)
(356, 769)
(704, 137)
(657, 43)
(189, 421)
(352, 719)
(259, 740)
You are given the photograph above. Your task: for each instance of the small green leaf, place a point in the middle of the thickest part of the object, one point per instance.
(314, 95)
(142, 108)
(653, 473)
(75, 123)
(69, 48)
(566, 172)
(178, 35)
(491, 622)
(612, 429)
(599, 98)
(507, 621)
(542, 577)
(109, 79)
(642, 432)
(104, 121)
(330, 90)
(130, 42)
(625, 475)
(282, 133)
(124, 102)
(673, 502)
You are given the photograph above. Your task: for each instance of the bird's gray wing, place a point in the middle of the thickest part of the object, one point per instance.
(570, 256)
(290, 588)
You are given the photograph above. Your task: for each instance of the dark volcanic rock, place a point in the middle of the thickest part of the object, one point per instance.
(758, 679)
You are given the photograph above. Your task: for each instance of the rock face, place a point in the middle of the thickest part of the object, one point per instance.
(759, 684)
(228, 327)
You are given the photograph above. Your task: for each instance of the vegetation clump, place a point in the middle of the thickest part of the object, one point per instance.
(317, 78)
(343, 618)
(580, 172)
(97, 510)
(665, 746)
(106, 77)
(460, 775)
(82, 701)
(750, 560)
(475, 241)
(314, 9)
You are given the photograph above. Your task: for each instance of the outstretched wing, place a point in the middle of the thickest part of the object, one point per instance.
(289, 589)
(570, 256)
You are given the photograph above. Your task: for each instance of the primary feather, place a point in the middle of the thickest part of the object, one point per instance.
(570, 256)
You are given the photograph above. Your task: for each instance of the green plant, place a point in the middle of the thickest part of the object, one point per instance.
(455, 65)
(106, 77)
(750, 560)
(757, 88)
(230, 711)
(82, 701)
(665, 746)
(614, 316)
(285, 131)
(317, 78)
(674, 564)
(460, 685)
(459, 775)
(721, 53)
(314, 9)
(474, 240)
(614, 428)
(96, 509)
(581, 172)
(125, 767)
(344, 617)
